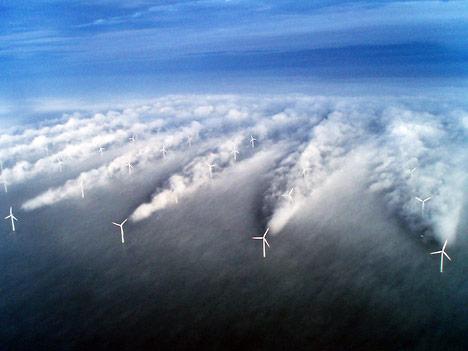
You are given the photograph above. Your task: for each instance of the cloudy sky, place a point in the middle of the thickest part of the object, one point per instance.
(206, 122)
(57, 54)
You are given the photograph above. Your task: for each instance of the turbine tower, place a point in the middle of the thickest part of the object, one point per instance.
(60, 164)
(235, 152)
(163, 151)
(264, 241)
(12, 218)
(442, 254)
(252, 141)
(423, 202)
(210, 168)
(305, 171)
(121, 229)
(189, 141)
(130, 167)
(82, 188)
(288, 195)
(5, 185)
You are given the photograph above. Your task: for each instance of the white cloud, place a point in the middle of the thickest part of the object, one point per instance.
(372, 143)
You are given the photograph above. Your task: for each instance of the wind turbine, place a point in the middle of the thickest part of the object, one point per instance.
(121, 229)
(132, 138)
(82, 188)
(235, 152)
(13, 218)
(411, 171)
(305, 171)
(189, 141)
(264, 241)
(5, 186)
(423, 202)
(210, 167)
(163, 151)
(288, 194)
(130, 167)
(252, 141)
(442, 254)
(101, 150)
(60, 164)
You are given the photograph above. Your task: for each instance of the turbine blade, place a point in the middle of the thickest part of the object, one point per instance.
(436, 252)
(257, 237)
(445, 244)
(126, 219)
(266, 242)
(118, 225)
(419, 199)
(447, 256)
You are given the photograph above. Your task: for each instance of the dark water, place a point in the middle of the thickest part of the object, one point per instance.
(191, 277)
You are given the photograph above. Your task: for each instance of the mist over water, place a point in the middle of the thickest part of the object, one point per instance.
(349, 265)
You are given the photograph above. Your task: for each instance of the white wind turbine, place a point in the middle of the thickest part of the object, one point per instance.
(60, 164)
(101, 150)
(82, 188)
(264, 241)
(130, 167)
(442, 254)
(252, 141)
(411, 171)
(189, 140)
(132, 138)
(305, 171)
(423, 202)
(163, 151)
(5, 185)
(121, 229)
(13, 219)
(288, 195)
(210, 168)
(235, 152)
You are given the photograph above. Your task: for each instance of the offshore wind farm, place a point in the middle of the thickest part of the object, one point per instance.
(220, 175)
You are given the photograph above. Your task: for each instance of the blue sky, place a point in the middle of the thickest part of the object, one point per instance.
(97, 50)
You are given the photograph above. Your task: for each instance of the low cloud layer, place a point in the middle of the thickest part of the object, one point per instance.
(392, 149)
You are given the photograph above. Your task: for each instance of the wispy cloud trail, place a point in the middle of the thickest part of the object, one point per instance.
(373, 143)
